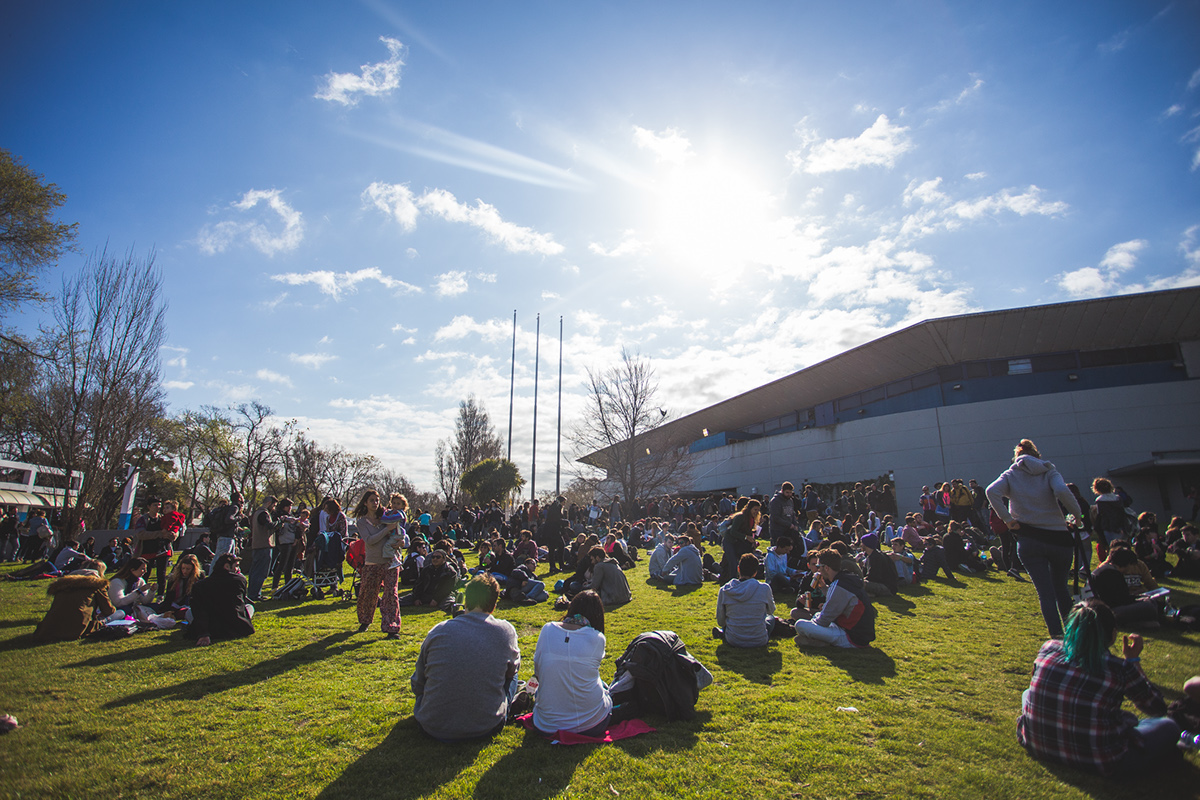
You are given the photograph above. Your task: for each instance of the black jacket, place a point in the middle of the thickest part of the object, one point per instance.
(665, 674)
(219, 607)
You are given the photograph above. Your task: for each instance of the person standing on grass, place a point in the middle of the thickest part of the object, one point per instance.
(1037, 495)
(739, 536)
(1071, 712)
(379, 570)
(263, 528)
(466, 673)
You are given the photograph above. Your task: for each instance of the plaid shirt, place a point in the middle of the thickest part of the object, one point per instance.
(1073, 717)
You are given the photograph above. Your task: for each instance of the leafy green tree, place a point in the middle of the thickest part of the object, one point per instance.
(492, 479)
(30, 238)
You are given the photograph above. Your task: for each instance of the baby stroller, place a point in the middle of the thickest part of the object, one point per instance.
(327, 574)
(356, 555)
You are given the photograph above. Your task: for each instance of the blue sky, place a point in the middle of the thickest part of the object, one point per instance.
(349, 200)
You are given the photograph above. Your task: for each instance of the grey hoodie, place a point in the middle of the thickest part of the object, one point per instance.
(743, 606)
(1034, 489)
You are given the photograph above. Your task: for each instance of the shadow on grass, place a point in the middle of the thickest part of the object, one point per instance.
(864, 665)
(18, 623)
(1183, 777)
(196, 689)
(165, 644)
(897, 604)
(534, 771)
(757, 664)
(305, 609)
(21, 641)
(393, 764)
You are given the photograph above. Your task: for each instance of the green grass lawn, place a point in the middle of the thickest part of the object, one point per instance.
(308, 708)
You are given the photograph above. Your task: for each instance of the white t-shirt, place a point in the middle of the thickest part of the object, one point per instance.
(570, 695)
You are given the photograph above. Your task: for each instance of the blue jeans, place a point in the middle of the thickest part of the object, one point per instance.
(1048, 566)
(260, 567)
(1156, 740)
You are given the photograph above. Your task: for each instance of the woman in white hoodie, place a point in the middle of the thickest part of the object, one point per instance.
(1035, 489)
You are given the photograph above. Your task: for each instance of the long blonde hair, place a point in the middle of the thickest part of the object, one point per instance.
(177, 573)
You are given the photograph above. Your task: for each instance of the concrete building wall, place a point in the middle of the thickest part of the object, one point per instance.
(1085, 433)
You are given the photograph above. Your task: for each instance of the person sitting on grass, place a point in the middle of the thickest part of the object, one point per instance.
(686, 566)
(903, 560)
(220, 609)
(616, 550)
(435, 585)
(566, 663)
(1071, 712)
(526, 549)
(880, 576)
(1187, 549)
(780, 576)
(523, 586)
(847, 618)
(1110, 583)
(79, 604)
(608, 580)
(746, 609)
(128, 591)
(660, 556)
(466, 673)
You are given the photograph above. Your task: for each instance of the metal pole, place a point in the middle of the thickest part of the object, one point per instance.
(537, 346)
(558, 445)
(512, 378)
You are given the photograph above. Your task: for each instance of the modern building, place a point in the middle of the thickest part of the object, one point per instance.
(1103, 387)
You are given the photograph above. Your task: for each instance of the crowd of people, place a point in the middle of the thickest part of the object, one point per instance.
(836, 556)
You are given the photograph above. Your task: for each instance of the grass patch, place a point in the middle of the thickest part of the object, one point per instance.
(306, 708)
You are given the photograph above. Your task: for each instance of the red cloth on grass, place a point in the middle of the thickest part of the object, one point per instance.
(626, 729)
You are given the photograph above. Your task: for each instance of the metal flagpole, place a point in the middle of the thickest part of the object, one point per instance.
(558, 445)
(536, 358)
(512, 378)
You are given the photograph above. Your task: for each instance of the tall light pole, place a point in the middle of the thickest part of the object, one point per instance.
(537, 347)
(558, 445)
(512, 382)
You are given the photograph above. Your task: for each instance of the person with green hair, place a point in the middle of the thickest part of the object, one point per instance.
(1071, 712)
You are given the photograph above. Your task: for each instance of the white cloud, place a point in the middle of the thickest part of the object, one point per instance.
(273, 377)
(970, 90)
(179, 385)
(1173, 110)
(179, 360)
(976, 176)
(214, 239)
(462, 326)
(927, 192)
(670, 145)
(1103, 279)
(878, 145)
(409, 340)
(548, 295)
(311, 360)
(1194, 81)
(486, 277)
(451, 284)
(411, 252)
(514, 238)
(399, 328)
(937, 213)
(630, 245)
(375, 80)
(336, 284)
(395, 199)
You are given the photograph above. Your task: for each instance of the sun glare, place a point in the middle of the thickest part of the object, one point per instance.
(708, 216)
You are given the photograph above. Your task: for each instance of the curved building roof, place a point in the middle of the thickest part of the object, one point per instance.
(1109, 322)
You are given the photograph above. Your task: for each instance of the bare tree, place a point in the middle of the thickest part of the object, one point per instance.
(620, 433)
(474, 440)
(102, 391)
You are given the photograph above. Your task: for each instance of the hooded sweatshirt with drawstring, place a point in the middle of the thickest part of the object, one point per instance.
(1034, 489)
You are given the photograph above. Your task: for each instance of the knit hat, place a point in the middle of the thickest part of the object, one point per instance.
(869, 540)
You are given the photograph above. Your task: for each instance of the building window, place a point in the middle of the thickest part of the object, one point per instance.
(1020, 366)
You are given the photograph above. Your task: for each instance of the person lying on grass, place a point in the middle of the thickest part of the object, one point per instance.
(1071, 712)
(465, 677)
(847, 618)
(746, 609)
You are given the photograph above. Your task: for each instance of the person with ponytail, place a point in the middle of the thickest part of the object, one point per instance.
(1037, 495)
(1071, 712)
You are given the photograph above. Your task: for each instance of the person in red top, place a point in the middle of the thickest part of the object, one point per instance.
(1071, 712)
